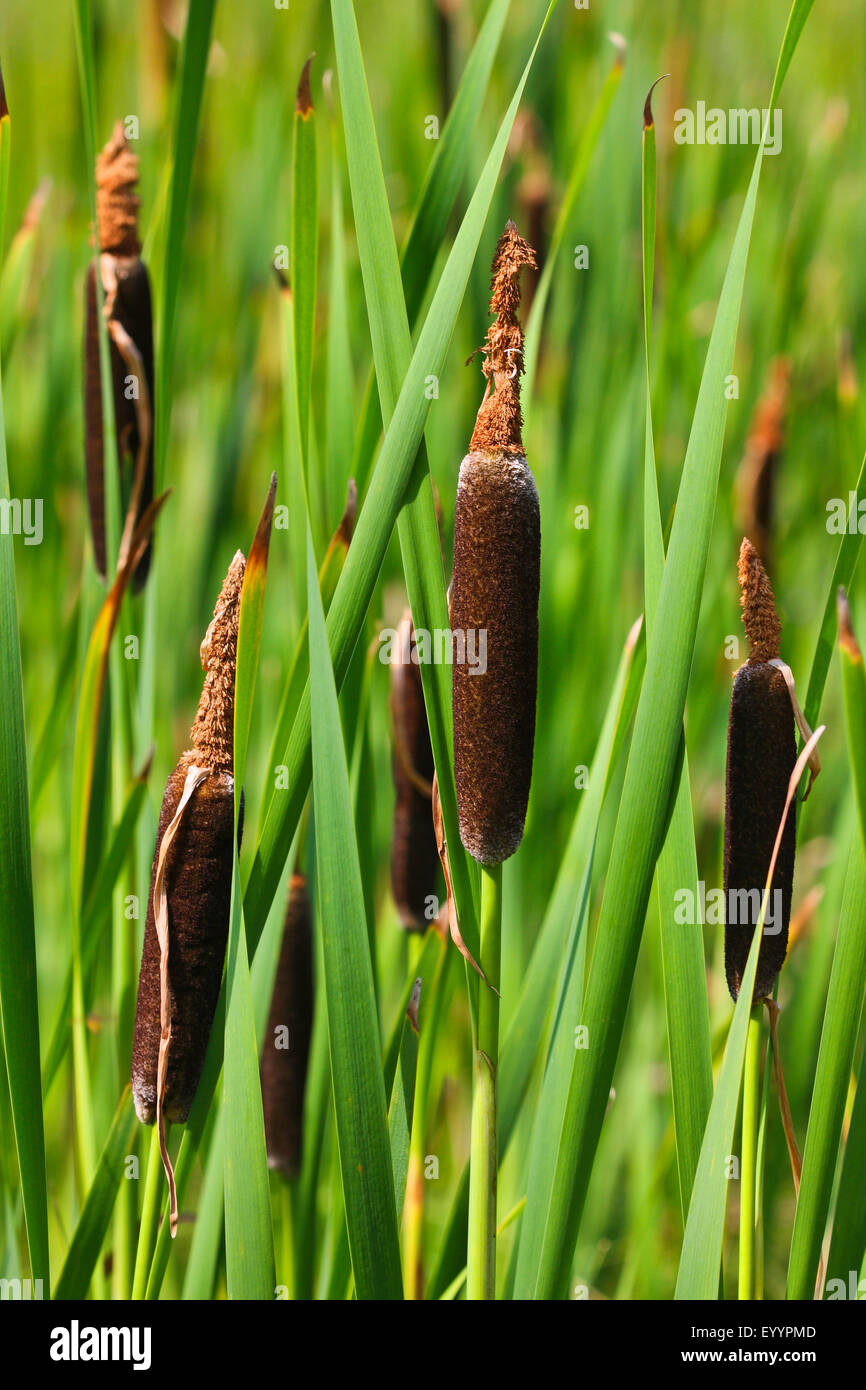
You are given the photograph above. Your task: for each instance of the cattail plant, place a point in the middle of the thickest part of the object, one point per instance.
(287, 1038)
(127, 311)
(414, 853)
(190, 891)
(761, 756)
(494, 589)
(494, 612)
(756, 477)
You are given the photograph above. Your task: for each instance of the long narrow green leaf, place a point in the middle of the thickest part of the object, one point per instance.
(93, 1223)
(698, 1275)
(654, 760)
(843, 573)
(844, 1007)
(583, 155)
(97, 915)
(848, 1243)
(19, 1006)
(356, 1069)
(686, 1005)
(249, 1234)
(193, 66)
(305, 251)
(402, 1107)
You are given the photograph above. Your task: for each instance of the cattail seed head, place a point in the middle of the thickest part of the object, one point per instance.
(126, 287)
(197, 873)
(762, 752)
(286, 1054)
(414, 854)
(494, 590)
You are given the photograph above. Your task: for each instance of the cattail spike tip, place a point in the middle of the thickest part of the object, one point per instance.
(760, 618)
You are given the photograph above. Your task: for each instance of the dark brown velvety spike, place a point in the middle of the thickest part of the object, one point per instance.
(284, 1067)
(132, 310)
(762, 752)
(198, 884)
(414, 855)
(494, 590)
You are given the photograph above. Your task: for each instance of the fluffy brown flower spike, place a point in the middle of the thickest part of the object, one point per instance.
(494, 590)
(760, 618)
(117, 202)
(499, 424)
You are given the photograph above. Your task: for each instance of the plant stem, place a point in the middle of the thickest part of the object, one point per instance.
(481, 1249)
(150, 1210)
(287, 1273)
(748, 1155)
(413, 1207)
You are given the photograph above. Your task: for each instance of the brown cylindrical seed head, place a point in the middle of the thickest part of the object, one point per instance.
(494, 591)
(198, 878)
(494, 619)
(414, 855)
(762, 751)
(287, 1038)
(199, 881)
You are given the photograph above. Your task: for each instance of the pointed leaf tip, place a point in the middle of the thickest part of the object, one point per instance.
(261, 540)
(304, 99)
(647, 106)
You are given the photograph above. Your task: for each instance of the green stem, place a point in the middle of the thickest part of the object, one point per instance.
(481, 1249)
(287, 1273)
(150, 1210)
(413, 1208)
(749, 1153)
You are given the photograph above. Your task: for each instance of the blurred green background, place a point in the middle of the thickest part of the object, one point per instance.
(805, 298)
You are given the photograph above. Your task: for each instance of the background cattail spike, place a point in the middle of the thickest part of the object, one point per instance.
(414, 853)
(286, 1053)
(760, 618)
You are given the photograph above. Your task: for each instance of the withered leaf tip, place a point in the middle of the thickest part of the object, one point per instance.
(648, 104)
(4, 109)
(304, 99)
